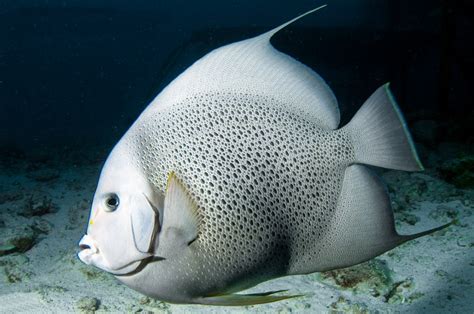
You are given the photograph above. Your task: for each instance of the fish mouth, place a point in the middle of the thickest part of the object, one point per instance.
(90, 254)
(88, 249)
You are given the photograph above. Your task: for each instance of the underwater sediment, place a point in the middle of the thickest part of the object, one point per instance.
(44, 205)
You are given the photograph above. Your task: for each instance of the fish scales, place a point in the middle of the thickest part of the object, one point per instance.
(247, 153)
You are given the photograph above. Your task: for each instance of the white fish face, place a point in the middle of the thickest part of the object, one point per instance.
(108, 243)
(123, 222)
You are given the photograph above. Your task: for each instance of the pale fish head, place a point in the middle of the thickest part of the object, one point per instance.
(125, 218)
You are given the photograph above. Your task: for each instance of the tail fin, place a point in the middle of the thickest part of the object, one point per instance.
(380, 135)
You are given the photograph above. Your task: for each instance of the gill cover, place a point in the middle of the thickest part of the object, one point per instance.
(145, 224)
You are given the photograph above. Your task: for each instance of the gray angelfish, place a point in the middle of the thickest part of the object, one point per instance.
(237, 173)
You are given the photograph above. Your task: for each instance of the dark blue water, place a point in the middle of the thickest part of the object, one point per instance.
(78, 73)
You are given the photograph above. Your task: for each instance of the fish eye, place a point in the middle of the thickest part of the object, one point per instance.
(112, 202)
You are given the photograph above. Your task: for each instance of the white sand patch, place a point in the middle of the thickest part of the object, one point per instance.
(433, 274)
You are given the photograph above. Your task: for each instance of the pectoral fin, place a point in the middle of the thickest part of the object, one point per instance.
(181, 219)
(246, 299)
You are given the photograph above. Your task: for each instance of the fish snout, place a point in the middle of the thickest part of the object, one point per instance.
(88, 249)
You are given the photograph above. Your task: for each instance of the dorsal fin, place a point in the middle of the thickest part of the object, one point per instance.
(255, 67)
(268, 35)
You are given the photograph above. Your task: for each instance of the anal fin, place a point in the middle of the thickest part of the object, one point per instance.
(363, 224)
(408, 237)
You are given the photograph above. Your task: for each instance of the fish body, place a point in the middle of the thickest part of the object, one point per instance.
(238, 173)
(266, 185)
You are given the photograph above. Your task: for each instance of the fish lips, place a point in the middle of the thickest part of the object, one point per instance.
(88, 249)
(90, 255)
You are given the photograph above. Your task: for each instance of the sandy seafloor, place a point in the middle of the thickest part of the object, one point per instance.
(44, 206)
